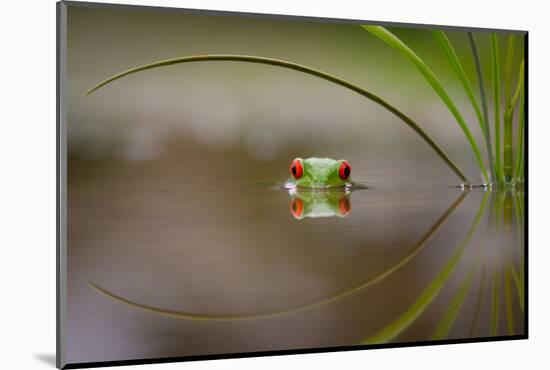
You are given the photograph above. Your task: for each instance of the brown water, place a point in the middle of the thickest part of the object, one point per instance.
(211, 235)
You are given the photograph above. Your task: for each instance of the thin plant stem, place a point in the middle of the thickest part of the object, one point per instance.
(508, 113)
(399, 45)
(519, 145)
(431, 291)
(521, 177)
(508, 119)
(495, 63)
(508, 67)
(304, 69)
(481, 82)
(450, 52)
(507, 165)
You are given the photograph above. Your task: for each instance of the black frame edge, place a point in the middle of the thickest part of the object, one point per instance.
(223, 356)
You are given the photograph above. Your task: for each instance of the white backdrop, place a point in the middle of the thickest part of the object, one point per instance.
(27, 182)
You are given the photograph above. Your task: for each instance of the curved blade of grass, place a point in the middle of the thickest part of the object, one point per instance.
(481, 82)
(432, 290)
(495, 63)
(450, 52)
(399, 45)
(226, 317)
(304, 69)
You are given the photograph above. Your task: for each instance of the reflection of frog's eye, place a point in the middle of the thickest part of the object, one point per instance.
(296, 169)
(345, 170)
(344, 205)
(297, 207)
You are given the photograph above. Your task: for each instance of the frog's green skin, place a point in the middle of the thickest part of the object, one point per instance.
(314, 204)
(320, 173)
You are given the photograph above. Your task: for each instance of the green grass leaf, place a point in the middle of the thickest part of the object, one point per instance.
(481, 83)
(450, 52)
(399, 45)
(495, 63)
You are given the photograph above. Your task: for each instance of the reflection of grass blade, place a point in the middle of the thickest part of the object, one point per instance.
(499, 200)
(450, 316)
(519, 232)
(376, 279)
(508, 301)
(481, 82)
(495, 62)
(448, 319)
(519, 286)
(480, 296)
(301, 68)
(459, 70)
(399, 45)
(495, 302)
(432, 290)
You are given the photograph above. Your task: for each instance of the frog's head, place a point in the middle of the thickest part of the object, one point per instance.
(320, 204)
(320, 173)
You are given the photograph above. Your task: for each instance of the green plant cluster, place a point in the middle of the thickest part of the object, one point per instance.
(500, 160)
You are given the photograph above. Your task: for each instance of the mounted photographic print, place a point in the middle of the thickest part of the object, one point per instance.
(234, 184)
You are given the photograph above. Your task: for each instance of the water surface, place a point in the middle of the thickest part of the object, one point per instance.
(211, 236)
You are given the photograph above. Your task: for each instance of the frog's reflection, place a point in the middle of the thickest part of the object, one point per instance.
(316, 204)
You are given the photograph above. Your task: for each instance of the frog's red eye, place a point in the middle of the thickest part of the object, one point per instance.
(344, 171)
(297, 207)
(344, 205)
(296, 169)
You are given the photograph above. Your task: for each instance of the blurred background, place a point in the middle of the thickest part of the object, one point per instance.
(173, 174)
(266, 112)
